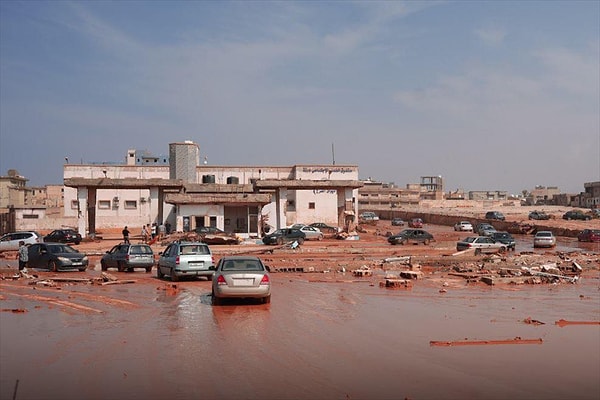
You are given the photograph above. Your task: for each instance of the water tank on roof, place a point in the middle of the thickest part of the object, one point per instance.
(233, 180)
(208, 179)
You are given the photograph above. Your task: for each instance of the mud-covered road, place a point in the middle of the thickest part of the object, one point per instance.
(324, 336)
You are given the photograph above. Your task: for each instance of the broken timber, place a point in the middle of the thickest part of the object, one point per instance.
(516, 340)
(562, 322)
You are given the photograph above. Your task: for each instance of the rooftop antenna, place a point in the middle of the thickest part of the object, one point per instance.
(332, 153)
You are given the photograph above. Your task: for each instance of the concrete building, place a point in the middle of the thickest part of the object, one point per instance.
(13, 190)
(488, 195)
(238, 199)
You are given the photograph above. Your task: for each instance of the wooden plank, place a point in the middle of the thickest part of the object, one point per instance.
(516, 340)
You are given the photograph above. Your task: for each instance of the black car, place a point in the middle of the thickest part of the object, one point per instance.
(285, 235)
(569, 215)
(56, 257)
(504, 238)
(539, 215)
(411, 235)
(494, 215)
(63, 236)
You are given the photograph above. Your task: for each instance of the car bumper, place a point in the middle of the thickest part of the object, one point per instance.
(225, 291)
(193, 272)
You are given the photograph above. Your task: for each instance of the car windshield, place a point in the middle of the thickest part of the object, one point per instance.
(59, 248)
(470, 239)
(242, 265)
(193, 249)
(544, 234)
(502, 235)
(140, 250)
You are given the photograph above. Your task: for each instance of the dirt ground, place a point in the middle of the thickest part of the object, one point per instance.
(331, 331)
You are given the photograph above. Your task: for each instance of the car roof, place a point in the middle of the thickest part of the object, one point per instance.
(240, 258)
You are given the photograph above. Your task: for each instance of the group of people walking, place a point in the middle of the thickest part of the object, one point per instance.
(150, 232)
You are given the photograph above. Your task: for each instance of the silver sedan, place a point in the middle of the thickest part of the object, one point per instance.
(241, 277)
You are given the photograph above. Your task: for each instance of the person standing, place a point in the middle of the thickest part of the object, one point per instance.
(153, 230)
(23, 256)
(145, 234)
(168, 228)
(125, 233)
(162, 231)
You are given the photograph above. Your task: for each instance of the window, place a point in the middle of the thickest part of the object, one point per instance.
(30, 216)
(104, 204)
(130, 204)
(74, 205)
(311, 205)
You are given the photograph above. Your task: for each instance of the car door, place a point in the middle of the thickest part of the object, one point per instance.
(167, 259)
(39, 256)
(112, 257)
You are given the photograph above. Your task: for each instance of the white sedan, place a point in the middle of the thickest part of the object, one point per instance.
(463, 226)
(481, 244)
(311, 232)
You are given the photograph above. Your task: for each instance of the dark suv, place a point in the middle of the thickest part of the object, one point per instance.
(285, 235)
(504, 238)
(127, 257)
(495, 215)
(539, 215)
(569, 215)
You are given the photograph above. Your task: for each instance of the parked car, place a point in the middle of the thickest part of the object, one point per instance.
(285, 235)
(576, 214)
(538, 215)
(397, 222)
(544, 239)
(127, 256)
(415, 223)
(505, 238)
(183, 259)
(369, 216)
(589, 235)
(323, 227)
(310, 232)
(415, 236)
(63, 236)
(495, 215)
(241, 277)
(56, 257)
(463, 226)
(485, 229)
(481, 244)
(10, 241)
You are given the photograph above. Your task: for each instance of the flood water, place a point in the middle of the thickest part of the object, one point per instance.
(346, 340)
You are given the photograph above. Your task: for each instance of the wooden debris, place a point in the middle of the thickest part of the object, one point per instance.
(119, 282)
(411, 274)
(530, 321)
(397, 284)
(108, 277)
(466, 342)
(562, 322)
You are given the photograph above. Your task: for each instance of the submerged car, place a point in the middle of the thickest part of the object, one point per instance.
(538, 215)
(241, 277)
(323, 227)
(481, 244)
(126, 257)
(463, 226)
(544, 239)
(63, 236)
(589, 235)
(56, 257)
(185, 259)
(310, 232)
(369, 216)
(495, 215)
(397, 222)
(415, 223)
(505, 238)
(11, 241)
(569, 215)
(285, 235)
(415, 236)
(485, 229)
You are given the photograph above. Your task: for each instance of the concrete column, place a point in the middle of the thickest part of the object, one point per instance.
(154, 206)
(280, 206)
(82, 210)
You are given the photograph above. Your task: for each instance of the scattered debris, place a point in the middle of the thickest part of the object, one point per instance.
(14, 310)
(466, 342)
(396, 284)
(530, 321)
(562, 322)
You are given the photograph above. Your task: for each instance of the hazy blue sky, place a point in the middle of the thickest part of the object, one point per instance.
(494, 95)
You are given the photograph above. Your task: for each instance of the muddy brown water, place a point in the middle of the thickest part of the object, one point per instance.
(345, 338)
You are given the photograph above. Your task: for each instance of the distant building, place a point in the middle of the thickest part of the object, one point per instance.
(488, 195)
(541, 195)
(13, 190)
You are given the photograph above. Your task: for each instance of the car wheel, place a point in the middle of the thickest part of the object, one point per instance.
(159, 273)
(502, 249)
(148, 269)
(77, 242)
(279, 241)
(209, 277)
(120, 267)
(403, 241)
(266, 300)
(477, 252)
(52, 266)
(393, 242)
(215, 300)
(301, 241)
(81, 269)
(103, 266)
(174, 277)
(426, 242)
(320, 237)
